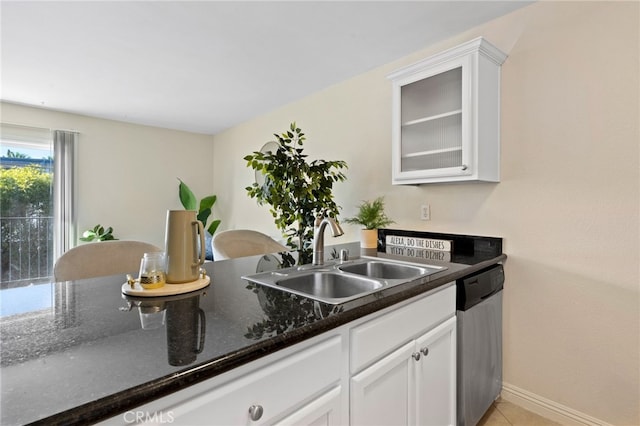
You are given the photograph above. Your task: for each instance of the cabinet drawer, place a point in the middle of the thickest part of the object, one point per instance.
(278, 388)
(385, 333)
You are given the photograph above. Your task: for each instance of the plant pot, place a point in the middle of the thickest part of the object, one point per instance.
(368, 238)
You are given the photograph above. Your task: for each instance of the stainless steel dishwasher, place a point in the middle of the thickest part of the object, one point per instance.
(479, 334)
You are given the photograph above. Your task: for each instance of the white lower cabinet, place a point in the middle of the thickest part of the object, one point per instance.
(415, 385)
(300, 388)
(394, 367)
(403, 365)
(381, 394)
(435, 400)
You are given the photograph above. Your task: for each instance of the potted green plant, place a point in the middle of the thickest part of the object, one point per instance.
(371, 216)
(190, 202)
(296, 190)
(98, 233)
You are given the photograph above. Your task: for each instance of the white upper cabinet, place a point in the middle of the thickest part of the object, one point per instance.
(446, 116)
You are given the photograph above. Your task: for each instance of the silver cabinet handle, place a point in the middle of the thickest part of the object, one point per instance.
(416, 356)
(425, 351)
(255, 412)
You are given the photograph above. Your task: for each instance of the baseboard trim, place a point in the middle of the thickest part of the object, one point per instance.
(547, 408)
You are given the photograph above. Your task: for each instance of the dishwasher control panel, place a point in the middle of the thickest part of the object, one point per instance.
(475, 288)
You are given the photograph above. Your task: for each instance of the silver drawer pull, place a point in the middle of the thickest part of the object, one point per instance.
(425, 351)
(416, 356)
(255, 412)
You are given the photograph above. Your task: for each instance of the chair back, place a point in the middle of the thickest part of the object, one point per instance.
(100, 259)
(243, 242)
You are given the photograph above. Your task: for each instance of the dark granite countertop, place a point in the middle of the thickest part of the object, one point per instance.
(75, 352)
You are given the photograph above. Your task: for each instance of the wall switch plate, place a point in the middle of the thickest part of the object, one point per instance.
(425, 212)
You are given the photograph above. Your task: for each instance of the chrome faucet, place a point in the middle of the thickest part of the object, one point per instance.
(318, 236)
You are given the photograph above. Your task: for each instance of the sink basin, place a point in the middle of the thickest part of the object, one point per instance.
(339, 283)
(328, 285)
(386, 270)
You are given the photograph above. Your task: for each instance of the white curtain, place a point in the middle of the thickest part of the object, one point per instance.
(64, 228)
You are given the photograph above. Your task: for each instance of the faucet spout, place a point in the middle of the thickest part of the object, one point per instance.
(318, 236)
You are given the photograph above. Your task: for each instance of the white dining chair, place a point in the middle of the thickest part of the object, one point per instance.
(100, 259)
(243, 242)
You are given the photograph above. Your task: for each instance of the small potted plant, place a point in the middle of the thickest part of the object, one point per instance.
(98, 233)
(203, 211)
(371, 216)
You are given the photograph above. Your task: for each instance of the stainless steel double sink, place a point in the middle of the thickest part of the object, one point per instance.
(343, 281)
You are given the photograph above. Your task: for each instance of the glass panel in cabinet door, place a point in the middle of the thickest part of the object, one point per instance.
(433, 96)
(433, 144)
(438, 161)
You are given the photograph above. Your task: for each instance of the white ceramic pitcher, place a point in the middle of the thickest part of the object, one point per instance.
(184, 254)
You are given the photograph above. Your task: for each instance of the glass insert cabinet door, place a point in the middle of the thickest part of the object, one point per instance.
(431, 123)
(445, 118)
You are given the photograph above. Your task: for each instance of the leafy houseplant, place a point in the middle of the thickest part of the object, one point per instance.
(297, 190)
(189, 202)
(371, 216)
(98, 233)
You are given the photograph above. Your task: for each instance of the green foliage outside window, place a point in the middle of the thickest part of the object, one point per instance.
(26, 209)
(25, 192)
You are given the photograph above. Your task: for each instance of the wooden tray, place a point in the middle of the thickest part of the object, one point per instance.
(167, 289)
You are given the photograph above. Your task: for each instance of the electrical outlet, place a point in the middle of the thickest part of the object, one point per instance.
(425, 212)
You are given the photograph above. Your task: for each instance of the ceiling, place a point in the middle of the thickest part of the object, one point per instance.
(205, 66)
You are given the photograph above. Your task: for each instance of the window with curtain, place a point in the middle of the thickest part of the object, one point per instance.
(36, 210)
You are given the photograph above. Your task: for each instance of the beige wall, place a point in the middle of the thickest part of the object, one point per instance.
(127, 174)
(567, 206)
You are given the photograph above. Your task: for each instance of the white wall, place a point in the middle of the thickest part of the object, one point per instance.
(127, 174)
(567, 206)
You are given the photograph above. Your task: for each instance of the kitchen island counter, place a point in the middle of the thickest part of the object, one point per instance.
(77, 353)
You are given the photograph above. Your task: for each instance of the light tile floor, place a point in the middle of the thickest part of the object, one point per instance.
(503, 413)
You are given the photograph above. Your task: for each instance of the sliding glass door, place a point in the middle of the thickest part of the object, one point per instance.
(36, 208)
